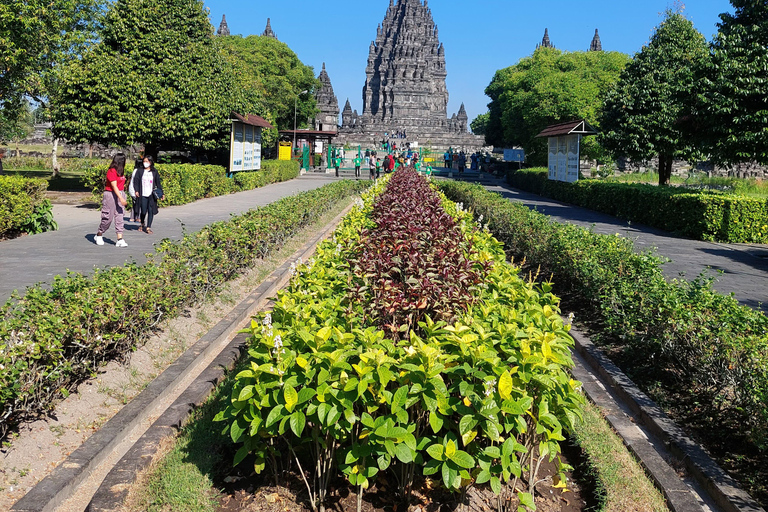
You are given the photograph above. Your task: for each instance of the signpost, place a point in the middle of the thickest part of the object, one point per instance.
(245, 144)
(564, 142)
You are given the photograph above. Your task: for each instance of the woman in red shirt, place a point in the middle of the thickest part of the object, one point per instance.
(114, 201)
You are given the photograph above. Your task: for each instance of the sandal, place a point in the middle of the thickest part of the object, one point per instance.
(142, 228)
(148, 231)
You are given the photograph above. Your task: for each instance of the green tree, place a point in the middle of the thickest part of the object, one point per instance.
(269, 70)
(156, 77)
(19, 127)
(480, 124)
(734, 102)
(548, 87)
(36, 37)
(644, 115)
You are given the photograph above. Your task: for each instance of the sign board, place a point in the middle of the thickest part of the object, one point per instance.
(564, 153)
(245, 153)
(514, 155)
(284, 152)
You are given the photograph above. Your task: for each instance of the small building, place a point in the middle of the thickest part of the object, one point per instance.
(565, 148)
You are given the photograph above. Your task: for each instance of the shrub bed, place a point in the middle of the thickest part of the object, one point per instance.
(702, 215)
(23, 206)
(408, 343)
(684, 334)
(51, 339)
(186, 183)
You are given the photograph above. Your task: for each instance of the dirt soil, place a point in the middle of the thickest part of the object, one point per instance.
(251, 493)
(34, 450)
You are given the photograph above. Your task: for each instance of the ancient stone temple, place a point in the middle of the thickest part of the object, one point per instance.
(597, 45)
(327, 120)
(545, 42)
(223, 28)
(405, 89)
(268, 31)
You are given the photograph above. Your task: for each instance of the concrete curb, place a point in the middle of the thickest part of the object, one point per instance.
(723, 489)
(58, 486)
(114, 490)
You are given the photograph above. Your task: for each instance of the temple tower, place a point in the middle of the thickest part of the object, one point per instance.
(268, 31)
(223, 28)
(405, 77)
(545, 42)
(597, 45)
(327, 119)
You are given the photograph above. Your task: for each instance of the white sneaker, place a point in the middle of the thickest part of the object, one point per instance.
(99, 240)
(121, 243)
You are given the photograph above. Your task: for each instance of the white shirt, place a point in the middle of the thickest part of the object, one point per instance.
(147, 181)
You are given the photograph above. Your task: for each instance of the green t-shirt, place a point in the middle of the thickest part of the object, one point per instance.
(358, 161)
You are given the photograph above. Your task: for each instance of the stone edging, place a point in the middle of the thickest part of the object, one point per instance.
(720, 486)
(114, 490)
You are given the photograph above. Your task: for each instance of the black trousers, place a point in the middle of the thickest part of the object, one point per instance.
(146, 211)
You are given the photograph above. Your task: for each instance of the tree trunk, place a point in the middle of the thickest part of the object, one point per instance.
(90, 150)
(665, 169)
(55, 158)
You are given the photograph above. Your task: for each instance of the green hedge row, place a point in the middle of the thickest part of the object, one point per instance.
(186, 183)
(702, 215)
(696, 339)
(52, 339)
(23, 206)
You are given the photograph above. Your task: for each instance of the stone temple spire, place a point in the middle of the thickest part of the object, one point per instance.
(223, 28)
(545, 42)
(268, 31)
(405, 79)
(328, 118)
(596, 45)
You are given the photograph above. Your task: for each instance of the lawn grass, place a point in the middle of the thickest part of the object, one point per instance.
(622, 483)
(746, 187)
(65, 182)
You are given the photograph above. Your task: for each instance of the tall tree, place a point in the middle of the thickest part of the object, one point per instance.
(270, 70)
(644, 115)
(549, 87)
(734, 102)
(156, 77)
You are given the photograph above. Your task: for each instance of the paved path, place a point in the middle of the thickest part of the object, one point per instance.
(744, 267)
(32, 259)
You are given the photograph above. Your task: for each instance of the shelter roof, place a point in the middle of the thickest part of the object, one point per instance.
(253, 120)
(579, 127)
(308, 132)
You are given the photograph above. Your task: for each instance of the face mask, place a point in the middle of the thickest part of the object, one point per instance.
(146, 165)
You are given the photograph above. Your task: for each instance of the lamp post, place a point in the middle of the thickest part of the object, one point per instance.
(295, 105)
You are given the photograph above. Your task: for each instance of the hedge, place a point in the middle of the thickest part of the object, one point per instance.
(23, 206)
(702, 215)
(52, 339)
(697, 339)
(186, 183)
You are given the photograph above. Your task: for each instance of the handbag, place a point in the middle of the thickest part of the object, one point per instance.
(158, 193)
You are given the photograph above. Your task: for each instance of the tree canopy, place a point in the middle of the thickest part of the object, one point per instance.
(644, 115)
(734, 99)
(269, 70)
(480, 124)
(155, 77)
(548, 87)
(36, 36)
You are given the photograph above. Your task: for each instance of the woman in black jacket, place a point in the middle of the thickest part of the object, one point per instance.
(146, 186)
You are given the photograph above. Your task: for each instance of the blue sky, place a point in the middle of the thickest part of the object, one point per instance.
(480, 37)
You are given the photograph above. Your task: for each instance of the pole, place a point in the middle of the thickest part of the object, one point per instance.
(295, 104)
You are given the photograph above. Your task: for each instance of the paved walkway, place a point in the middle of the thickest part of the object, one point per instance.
(744, 267)
(33, 259)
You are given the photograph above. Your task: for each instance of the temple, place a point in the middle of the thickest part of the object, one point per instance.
(268, 32)
(223, 27)
(405, 90)
(545, 42)
(597, 45)
(327, 120)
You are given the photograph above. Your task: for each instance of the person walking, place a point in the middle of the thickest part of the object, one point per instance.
(378, 168)
(337, 164)
(447, 158)
(358, 161)
(147, 192)
(372, 169)
(113, 201)
(135, 207)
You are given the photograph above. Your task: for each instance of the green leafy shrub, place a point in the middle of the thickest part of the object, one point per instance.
(702, 215)
(52, 339)
(186, 183)
(23, 206)
(704, 342)
(481, 400)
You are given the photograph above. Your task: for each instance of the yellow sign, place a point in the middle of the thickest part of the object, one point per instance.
(284, 152)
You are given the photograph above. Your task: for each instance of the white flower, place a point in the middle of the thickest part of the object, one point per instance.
(490, 387)
(480, 219)
(359, 203)
(278, 342)
(570, 317)
(267, 319)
